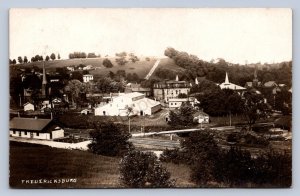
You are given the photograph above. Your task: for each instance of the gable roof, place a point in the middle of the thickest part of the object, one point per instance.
(29, 123)
(27, 103)
(270, 84)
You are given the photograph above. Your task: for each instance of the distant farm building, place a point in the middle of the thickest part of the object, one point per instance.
(139, 104)
(34, 128)
(87, 77)
(28, 107)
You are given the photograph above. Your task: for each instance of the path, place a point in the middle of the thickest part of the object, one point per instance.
(152, 69)
(79, 146)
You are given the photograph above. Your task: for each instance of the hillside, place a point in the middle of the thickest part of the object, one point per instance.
(141, 67)
(169, 65)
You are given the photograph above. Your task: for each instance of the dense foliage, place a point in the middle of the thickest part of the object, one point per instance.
(233, 168)
(109, 139)
(143, 170)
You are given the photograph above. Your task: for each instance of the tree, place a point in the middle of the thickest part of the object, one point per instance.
(58, 56)
(14, 62)
(121, 60)
(47, 58)
(171, 52)
(91, 55)
(182, 117)
(202, 154)
(109, 139)
(107, 63)
(41, 58)
(10, 61)
(73, 88)
(32, 59)
(25, 59)
(20, 60)
(52, 56)
(143, 170)
(133, 58)
(254, 107)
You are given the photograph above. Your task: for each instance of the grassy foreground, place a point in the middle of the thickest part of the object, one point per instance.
(37, 162)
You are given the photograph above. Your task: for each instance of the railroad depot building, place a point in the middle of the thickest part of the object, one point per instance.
(34, 128)
(119, 106)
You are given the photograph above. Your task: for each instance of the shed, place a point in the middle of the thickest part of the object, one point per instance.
(35, 128)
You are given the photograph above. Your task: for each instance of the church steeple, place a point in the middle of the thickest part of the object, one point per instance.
(44, 83)
(226, 79)
(255, 79)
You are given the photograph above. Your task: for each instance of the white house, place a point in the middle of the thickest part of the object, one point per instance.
(177, 102)
(28, 107)
(35, 128)
(88, 67)
(119, 106)
(70, 68)
(87, 77)
(201, 117)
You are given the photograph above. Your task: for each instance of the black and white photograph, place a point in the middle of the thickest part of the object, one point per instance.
(150, 98)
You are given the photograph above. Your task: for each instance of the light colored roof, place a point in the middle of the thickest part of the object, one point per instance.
(231, 86)
(132, 95)
(27, 103)
(86, 75)
(148, 102)
(29, 123)
(270, 84)
(198, 113)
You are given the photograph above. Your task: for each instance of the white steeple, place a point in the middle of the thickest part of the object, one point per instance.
(226, 79)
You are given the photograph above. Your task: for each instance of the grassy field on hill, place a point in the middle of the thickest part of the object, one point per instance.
(141, 67)
(35, 162)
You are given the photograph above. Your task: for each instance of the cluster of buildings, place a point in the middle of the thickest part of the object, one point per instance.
(171, 94)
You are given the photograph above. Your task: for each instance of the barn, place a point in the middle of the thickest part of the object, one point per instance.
(35, 128)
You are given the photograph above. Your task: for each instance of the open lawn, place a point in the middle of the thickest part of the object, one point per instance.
(35, 162)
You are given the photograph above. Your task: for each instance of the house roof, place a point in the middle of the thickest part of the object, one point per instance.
(270, 84)
(231, 86)
(29, 123)
(198, 113)
(27, 103)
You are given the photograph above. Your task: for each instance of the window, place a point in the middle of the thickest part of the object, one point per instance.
(14, 132)
(25, 133)
(37, 134)
(171, 103)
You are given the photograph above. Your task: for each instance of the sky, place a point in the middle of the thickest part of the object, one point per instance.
(236, 35)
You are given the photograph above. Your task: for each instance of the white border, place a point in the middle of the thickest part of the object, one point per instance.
(6, 4)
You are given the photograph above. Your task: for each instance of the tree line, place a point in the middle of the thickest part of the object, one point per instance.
(35, 58)
(215, 70)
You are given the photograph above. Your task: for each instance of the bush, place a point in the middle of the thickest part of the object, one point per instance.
(107, 63)
(175, 156)
(143, 170)
(109, 140)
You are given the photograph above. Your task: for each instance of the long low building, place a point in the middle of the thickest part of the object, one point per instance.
(35, 128)
(139, 104)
